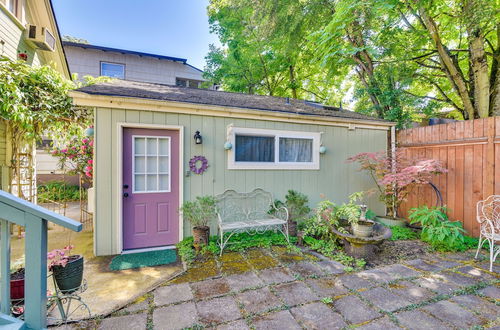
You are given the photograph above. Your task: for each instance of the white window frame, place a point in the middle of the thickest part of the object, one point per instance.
(157, 165)
(276, 165)
(112, 63)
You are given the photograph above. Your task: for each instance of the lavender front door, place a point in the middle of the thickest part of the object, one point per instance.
(150, 189)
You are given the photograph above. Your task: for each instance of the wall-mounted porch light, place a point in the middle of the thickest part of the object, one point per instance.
(197, 138)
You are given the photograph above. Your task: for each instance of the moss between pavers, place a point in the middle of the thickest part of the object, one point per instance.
(200, 272)
(235, 267)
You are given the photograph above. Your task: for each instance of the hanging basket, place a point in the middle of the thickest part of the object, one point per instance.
(69, 278)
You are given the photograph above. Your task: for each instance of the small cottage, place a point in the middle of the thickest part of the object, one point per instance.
(158, 145)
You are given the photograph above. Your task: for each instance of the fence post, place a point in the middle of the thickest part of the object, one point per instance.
(489, 184)
(5, 267)
(36, 272)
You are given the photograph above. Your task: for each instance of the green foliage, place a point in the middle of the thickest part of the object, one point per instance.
(441, 233)
(58, 191)
(200, 211)
(296, 204)
(370, 215)
(403, 233)
(186, 251)
(329, 249)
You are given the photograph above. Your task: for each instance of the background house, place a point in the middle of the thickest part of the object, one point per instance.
(144, 138)
(28, 31)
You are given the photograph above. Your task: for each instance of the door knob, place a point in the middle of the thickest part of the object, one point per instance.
(125, 186)
(125, 195)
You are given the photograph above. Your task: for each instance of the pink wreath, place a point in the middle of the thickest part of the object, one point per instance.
(193, 164)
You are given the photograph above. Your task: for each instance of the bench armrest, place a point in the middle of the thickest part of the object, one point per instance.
(281, 212)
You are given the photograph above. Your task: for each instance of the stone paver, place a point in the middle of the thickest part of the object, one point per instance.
(218, 310)
(446, 263)
(384, 299)
(383, 323)
(172, 294)
(243, 281)
(235, 325)
(437, 284)
(210, 288)
(327, 286)
(491, 291)
(258, 301)
(417, 320)
(134, 321)
(295, 293)
(400, 271)
(275, 275)
(355, 310)
(306, 269)
(318, 316)
(138, 306)
(355, 282)
(479, 306)
(453, 314)
(478, 273)
(331, 267)
(278, 320)
(174, 317)
(423, 265)
(410, 291)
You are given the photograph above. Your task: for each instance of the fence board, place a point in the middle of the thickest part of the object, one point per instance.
(469, 150)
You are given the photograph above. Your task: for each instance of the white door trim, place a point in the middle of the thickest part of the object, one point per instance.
(119, 176)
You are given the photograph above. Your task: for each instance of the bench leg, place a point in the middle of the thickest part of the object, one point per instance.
(285, 232)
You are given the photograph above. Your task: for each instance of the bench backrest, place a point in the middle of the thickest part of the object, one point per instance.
(233, 206)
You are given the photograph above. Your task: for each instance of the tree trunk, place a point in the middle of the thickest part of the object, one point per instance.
(480, 74)
(495, 79)
(292, 82)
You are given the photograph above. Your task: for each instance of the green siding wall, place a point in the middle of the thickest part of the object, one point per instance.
(335, 180)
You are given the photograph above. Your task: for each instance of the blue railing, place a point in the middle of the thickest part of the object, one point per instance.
(34, 218)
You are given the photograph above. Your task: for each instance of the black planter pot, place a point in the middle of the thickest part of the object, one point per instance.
(69, 278)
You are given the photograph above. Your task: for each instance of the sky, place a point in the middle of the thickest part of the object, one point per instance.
(176, 28)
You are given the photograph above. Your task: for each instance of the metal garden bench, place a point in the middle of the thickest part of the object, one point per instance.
(252, 212)
(488, 216)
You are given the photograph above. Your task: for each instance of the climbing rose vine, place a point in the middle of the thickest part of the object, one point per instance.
(396, 176)
(77, 156)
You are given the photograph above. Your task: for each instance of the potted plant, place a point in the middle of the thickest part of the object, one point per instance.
(395, 177)
(199, 213)
(298, 209)
(17, 280)
(355, 215)
(67, 269)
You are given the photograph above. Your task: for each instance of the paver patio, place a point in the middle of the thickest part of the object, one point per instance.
(308, 292)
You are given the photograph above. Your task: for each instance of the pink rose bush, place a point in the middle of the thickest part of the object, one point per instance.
(396, 176)
(78, 156)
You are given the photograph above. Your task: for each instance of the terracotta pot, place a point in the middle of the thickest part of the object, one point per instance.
(201, 235)
(391, 222)
(69, 278)
(363, 228)
(17, 285)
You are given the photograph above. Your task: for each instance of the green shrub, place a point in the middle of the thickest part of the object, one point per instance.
(200, 211)
(403, 233)
(329, 249)
(58, 191)
(441, 233)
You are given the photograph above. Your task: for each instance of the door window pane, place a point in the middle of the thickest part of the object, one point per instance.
(295, 150)
(152, 164)
(152, 148)
(152, 182)
(139, 146)
(164, 182)
(254, 148)
(140, 164)
(163, 164)
(139, 182)
(164, 147)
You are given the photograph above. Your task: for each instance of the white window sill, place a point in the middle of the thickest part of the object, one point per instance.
(12, 17)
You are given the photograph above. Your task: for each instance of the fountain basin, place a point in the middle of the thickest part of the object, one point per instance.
(364, 247)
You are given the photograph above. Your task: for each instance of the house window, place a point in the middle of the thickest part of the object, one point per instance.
(13, 7)
(187, 83)
(180, 82)
(270, 149)
(151, 164)
(113, 70)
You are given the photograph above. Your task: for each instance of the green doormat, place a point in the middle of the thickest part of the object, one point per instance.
(143, 259)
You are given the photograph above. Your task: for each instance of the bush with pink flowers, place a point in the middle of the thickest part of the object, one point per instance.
(59, 257)
(78, 155)
(396, 176)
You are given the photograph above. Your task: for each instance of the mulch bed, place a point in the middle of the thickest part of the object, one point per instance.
(393, 251)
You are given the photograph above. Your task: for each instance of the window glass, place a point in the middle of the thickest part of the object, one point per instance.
(180, 82)
(113, 70)
(295, 149)
(13, 7)
(251, 148)
(194, 84)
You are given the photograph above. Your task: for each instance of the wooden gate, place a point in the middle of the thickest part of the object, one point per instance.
(469, 150)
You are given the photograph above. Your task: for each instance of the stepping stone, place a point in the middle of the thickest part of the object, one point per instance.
(210, 288)
(411, 291)
(417, 320)
(306, 269)
(174, 317)
(437, 284)
(327, 286)
(478, 306)
(383, 323)
(377, 276)
(235, 325)
(477, 273)
(134, 321)
(355, 282)
(295, 293)
(278, 320)
(486, 266)
(453, 314)
(355, 310)
(258, 301)
(218, 310)
(318, 316)
(491, 291)
(172, 294)
(331, 267)
(138, 306)
(445, 264)
(423, 265)
(243, 281)
(458, 279)
(398, 271)
(385, 299)
(275, 275)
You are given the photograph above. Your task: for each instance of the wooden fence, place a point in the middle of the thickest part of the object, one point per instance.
(470, 151)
